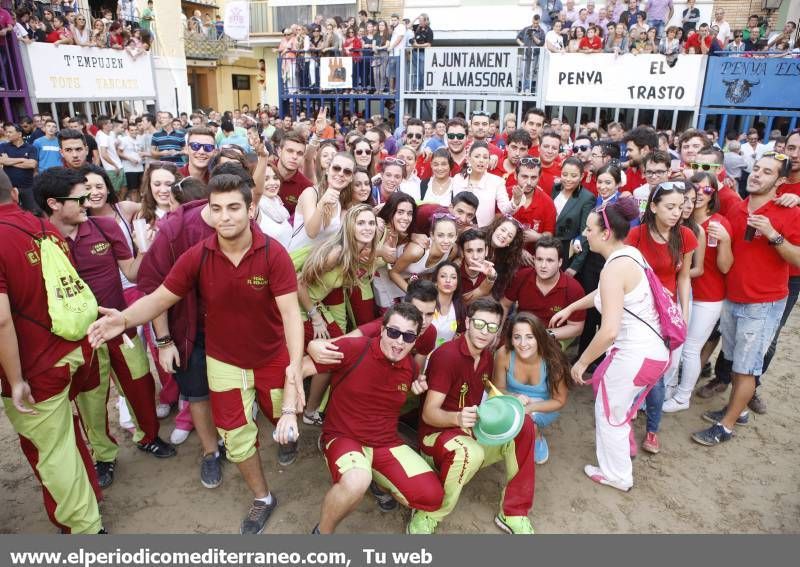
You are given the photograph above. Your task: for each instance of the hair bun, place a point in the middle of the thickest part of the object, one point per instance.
(626, 207)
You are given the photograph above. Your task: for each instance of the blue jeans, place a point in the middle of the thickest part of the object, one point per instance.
(659, 25)
(653, 404)
(545, 419)
(418, 68)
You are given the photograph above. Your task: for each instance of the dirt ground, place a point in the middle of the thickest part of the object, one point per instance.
(750, 485)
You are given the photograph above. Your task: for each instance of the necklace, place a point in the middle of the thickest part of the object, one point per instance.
(442, 189)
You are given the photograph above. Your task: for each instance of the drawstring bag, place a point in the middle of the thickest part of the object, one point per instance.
(70, 303)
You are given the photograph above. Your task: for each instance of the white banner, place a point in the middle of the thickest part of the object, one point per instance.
(469, 69)
(237, 20)
(335, 73)
(599, 79)
(74, 73)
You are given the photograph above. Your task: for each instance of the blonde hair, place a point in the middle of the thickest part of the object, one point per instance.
(344, 243)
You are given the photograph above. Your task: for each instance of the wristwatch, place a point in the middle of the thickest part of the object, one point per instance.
(777, 241)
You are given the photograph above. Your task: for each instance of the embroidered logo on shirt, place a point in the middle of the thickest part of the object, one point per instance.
(100, 248)
(257, 282)
(33, 257)
(402, 387)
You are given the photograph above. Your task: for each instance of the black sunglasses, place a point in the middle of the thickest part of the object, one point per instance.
(408, 336)
(415, 135)
(530, 161)
(453, 136)
(346, 171)
(80, 200)
(581, 148)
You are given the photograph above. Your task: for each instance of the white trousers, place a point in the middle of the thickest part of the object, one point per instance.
(705, 315)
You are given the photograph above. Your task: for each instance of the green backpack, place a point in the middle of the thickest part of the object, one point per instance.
(70, 303)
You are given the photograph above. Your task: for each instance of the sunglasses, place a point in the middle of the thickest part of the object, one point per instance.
(176, 187)
(480, 325)
(530, 161)
(446, 216)
(678, 186)
(346, 171)
(398, 161)
(580, 148)
(704, 166)
(775, 155)
(363, 152)
(707, 190)
(415, 135)
(480, 113)
(456, 136)
(408, 336)
(80, 200)
(196, 146)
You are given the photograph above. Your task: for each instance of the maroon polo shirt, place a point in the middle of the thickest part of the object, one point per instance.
(243, 325)
(184, 171)
(467, 284)
(291, 188)
(367, 396)
(425, 344)
(21, 280)
(97, 247)
(526, 293)
(452, 372)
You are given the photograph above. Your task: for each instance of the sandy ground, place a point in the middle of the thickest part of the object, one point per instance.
(751, 484)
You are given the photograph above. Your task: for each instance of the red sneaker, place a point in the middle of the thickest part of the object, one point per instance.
(651, 443)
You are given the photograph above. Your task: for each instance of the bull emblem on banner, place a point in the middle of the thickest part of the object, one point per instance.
(738, 90)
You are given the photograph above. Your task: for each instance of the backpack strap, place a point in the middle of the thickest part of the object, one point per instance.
(644, 267)
(103, 232)
(349, 370)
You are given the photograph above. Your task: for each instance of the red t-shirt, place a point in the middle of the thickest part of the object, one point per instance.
(694, 41)
(291, 188)
(634, 178)
(589, 182)
(711, 285)
(21, 280)
(452, 372)
(367, 396)
(534, 151)
(728, 199)
(657, 253)
(759, 274)
(793, 188)
(510, 177)
(548, 175)
(97, 247)
(424, 171)
(587, 43)
(541, 212)
(243, 325)
(526, 293)
(425, 344)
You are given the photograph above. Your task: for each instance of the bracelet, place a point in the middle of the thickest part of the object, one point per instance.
(163, 340)
(287, 411)
(124, 321)
(313, 311)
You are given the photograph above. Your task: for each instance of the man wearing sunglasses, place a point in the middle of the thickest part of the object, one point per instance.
(201, 147)
(369, 386)
(456, 379)
(712, 160)
(765, 239)
(100, 252)
(455, 139)
(582, 149)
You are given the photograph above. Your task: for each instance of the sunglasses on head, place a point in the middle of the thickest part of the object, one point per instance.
(480, 325)
(408, 336)
(346, 171)
(704, 166)
(775, 155)
(530, 161)
(363, 152)
(80, 200)
(581, 147)
(196, 146)
(446, 216)
(454, 136)
(678, 186)
(480, 113)
(398, 161)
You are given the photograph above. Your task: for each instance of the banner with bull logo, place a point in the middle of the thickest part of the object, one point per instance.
(753, 82)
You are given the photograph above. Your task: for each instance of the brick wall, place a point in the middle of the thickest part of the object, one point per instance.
(737, 12)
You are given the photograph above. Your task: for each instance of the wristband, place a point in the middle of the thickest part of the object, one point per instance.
(287, 411)
(124, 321)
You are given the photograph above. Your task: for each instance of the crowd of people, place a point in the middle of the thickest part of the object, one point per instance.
(352, 276)
(63, 23)
(642, 27)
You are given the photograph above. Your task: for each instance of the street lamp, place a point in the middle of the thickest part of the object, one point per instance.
(374, 6)
(771, 4)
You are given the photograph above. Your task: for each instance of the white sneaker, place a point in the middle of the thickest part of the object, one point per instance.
(162, 410)
(597, 476)
(178, 436)
(672, 405)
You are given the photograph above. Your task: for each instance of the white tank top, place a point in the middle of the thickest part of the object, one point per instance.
(300, 238)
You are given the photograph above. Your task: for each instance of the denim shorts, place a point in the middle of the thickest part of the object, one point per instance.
(393, 67)
(747, 331)
(193, 380)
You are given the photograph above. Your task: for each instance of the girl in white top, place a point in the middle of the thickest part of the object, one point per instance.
(398, 215)
(273, 217)
(635, 354)
(411, 182)
(439, 188)
(318, 212)
(417, 261)
(490, 189)
(450, 314)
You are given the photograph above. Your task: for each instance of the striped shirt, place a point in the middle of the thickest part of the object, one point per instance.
(175, 140)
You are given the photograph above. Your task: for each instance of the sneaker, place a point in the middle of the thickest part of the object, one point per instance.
(287, 454)
(713, 386)
(257, 516)
(514, 525)
(597, 476)
(158, 448)
(706, 371)
(672, 405)
(421, 524)
(162, 410)
(651, 443)
(178, 436)
(714, 435)
(210, 471)
(386, 501)
(313, 418)
(716, 416)
(757, 404)
(105, 473)
(541, 452)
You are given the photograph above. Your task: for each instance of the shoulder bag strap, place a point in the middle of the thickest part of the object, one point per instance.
(349, 370)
